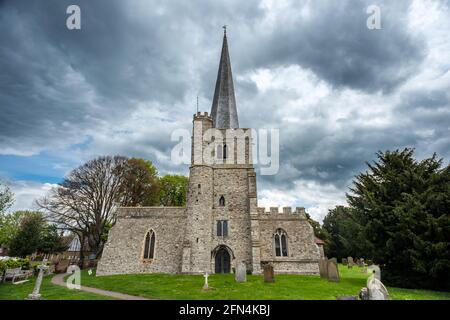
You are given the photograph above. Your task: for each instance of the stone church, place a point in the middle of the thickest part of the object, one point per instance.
(221, 224)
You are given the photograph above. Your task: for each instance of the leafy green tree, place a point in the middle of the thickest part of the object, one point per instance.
(28, 237)
(9, 226)
(6, 198)
(173, 190)
(50, 241)
(140, 186)
(402, 206)
(319, 231)
(345, 237)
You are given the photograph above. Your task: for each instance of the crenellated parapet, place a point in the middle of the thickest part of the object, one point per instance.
(202, 116)
(280, 212)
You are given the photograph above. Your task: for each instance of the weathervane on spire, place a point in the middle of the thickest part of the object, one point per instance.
(224, 29)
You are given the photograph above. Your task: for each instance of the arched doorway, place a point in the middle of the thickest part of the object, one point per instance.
(222, 261)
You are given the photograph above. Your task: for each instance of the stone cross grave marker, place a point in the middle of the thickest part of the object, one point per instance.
(206, 286)
(241, 273)
(35, 295)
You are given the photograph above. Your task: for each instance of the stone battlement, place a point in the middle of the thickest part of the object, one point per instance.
(203, 115)
(284, 210)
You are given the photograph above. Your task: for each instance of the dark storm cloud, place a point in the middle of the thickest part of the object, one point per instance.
(129, 77)
(332, 39)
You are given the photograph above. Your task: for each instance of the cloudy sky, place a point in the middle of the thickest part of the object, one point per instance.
(337, 91)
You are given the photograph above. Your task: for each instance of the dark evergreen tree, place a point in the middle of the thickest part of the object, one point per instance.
(27, 239)
(402, 206)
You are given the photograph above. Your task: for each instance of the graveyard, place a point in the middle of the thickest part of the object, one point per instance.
(220, 286)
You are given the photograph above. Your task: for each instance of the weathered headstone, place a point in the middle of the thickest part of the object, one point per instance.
(269, 275)
(323, 268)
(344, 261)
(35, 295)
(377, 290)
(334, 260)
(241, 273)
(332, 270)
(350, 262)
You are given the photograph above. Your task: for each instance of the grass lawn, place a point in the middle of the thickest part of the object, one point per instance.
(165, 286)
(295, 287)
(49, 291)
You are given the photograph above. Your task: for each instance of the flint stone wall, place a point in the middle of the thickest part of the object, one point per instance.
(303, 253)
(123, 251)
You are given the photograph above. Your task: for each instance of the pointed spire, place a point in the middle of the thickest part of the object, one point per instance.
(223, 110)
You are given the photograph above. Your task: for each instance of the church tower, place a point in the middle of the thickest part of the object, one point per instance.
(221, 225)
(222, 184)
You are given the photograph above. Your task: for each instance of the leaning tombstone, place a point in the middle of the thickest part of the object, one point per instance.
(35, 295)
(333, 272)
(269, 275)
(323, 268)
(241, 273)
(344, 261)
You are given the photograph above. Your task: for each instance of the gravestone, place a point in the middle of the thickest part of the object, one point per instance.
(334, 260)
(361, 262)
(332, 270)
(206, 286)
(375, 270)
(350, 262)
(241, 273)
(323, 268)
(377, 290)
(269, 275)
(344, 261)
(35, 295)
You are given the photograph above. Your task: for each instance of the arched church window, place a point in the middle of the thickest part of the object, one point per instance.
(280, 239)
(149, 246)
(225, 149)
(222, 201)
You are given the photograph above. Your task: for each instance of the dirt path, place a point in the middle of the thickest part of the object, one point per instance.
(59, 280)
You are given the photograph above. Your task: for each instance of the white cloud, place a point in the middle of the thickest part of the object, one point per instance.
(26, 192)
(316, 198)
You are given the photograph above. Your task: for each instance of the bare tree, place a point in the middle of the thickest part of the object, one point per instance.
(84, 203)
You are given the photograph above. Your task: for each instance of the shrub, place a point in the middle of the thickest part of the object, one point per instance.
(23, 263)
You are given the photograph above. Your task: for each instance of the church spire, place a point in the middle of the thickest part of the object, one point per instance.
(223, 110)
